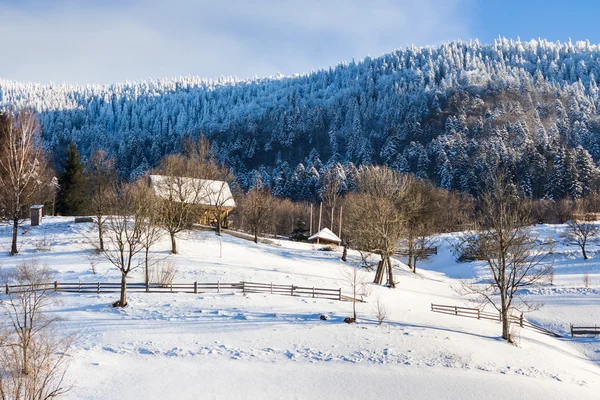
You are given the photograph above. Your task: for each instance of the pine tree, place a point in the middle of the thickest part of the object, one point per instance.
(73, 193)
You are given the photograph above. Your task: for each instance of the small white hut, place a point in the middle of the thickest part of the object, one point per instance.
(325, 236)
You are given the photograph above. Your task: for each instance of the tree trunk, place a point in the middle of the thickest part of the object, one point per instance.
(345, 253)
(100, 235)
(123, 299)
(15, 232)
(505, 320)
(585, 257)
(379, 272)
(415, 266)
(255, 235)
(391, 282)
(147, 272)
(173, 244)
(219, 224)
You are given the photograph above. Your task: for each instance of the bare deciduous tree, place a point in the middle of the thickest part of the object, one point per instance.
(381, 312)
(33, 357)
(22, 166)
(354, 278)
(580, 232)
(377, 213)
(514, 257)
(102, 177)
(179, 195)
(151, 218)
(257, 209)
(125, 231)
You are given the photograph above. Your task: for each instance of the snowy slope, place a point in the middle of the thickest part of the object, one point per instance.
(262, 346)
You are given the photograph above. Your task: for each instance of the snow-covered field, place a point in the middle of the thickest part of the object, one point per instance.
(178, 345)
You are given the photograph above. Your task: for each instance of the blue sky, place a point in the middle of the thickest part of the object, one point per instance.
(105, 41)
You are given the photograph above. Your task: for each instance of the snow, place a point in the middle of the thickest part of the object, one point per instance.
(229, 345)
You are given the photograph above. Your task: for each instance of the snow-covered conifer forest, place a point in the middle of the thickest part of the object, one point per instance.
(450, 113)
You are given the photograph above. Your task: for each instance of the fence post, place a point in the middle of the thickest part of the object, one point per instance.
(218, 286)
(455, 310)
(98, 287)
(340, 294)
(292, 292)
(171, 287)
(271, 287)
(147, 287)
(571, 330)
(7, 289)
(55, 287)
(478, 313)
(80, 286)
(196, 287)
(313, 292)
(243, 287)
(521, 320)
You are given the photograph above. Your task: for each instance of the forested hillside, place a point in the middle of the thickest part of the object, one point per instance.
(450, 113)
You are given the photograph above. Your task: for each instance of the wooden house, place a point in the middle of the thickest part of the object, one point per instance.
(211, 197)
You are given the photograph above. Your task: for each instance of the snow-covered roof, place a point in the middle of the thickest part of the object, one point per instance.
(37, 206)
(327, 235)
(204, 192)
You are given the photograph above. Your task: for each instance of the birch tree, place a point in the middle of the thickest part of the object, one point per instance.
(22, 166)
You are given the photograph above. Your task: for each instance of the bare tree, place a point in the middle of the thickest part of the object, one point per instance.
(125, 231)
(376, 215)
(179, 194)
(332, 186)
(33, 357)
(580, 232)
(381, 312)
(220, 198)
(22, 166)
(514, 257)
(102, 177)
(151, 218)
(257, 210)
(354, 278)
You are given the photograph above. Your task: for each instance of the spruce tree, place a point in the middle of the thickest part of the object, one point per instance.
(73, 191)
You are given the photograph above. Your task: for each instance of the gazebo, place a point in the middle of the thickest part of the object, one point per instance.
(325, 236)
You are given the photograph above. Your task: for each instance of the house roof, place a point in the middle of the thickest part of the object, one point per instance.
(204, 192)
(325, 234)
(37, 206)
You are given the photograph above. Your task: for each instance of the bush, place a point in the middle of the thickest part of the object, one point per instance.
(163, 274)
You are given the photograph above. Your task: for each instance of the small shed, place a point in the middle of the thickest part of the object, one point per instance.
(325, 236)
(36, 213)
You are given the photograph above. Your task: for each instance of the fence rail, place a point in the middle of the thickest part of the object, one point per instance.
(584, 330)
(186, 287)
(476, 313)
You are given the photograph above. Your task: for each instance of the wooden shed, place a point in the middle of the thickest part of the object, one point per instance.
(325, 236)
(36, 213)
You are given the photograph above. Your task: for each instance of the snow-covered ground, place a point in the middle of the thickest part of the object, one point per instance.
(178, 345)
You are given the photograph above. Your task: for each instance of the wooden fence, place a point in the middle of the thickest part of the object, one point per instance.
(426, 252)
(192, 287)
(497, 316)
(584, 330)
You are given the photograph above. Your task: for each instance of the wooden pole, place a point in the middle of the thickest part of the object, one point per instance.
(311, 220)
(320, 215)
(340, 228)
